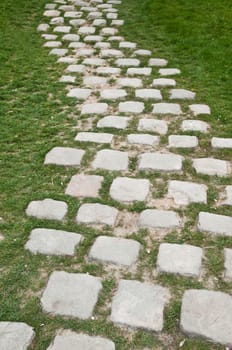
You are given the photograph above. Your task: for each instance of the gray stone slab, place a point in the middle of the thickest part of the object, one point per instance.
(57, 21)
(99, 22)
(43, 27)
(127, 62)
(65, 156)
(67, 8)
(194, 125)
(73, 341)
(118, 251)
(228, 200)
(58, 52)
(94, 213)
(182, 94)
(94, 81)
(73, 14)
(139, 305)
(71, 294)
(124, 189)
(198, 109)
(219, 142)
(111, 53)
(49, 209)
(142, 53)
(15, 336)
(111, 160)
(143, 139)
(154, 125)
(97, 137)
(77, 45)
(147, 94)
(130, 82)
(49, 36)
(94, 108)
(82, 185)
(76, 68)
(117, 22)
(131, 107)
(50, 6)
(228, 263)
(71, 37)
(83, 52)
(86, 30)
(160, 219)
(77, 22)
(169, 71)
(184, 192)
(67, 79)
(51, 13)
(207, 314)
(94, 15)
(182, 141)
(157, 62)
(112, 121)
(53, 242)
(52, 44)
(146, 71)
(95, 62)
(181, 259)
(102, 45)
(167, 108)
(160, 162)
(109, 31)
(113, 94)
(127, 45)
(79, 94)
(112, 15)
(213, 223)
(164, 82)
(108, 70)
(93, 38)
(212, 166)
(68, 60)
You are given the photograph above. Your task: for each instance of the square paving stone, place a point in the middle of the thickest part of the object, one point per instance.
(47, 209)
(71, 294)
(157, 62)
(182, 259)
(94, 108)
(111, 53)
(111, 160)
(182, 141)
(94, 213)
(93, 38)
(73, 341)
(130, 82)
(228, 263)
(162, 219)
(113, 94)
(160, 162)
(15, 336)
(94, 81)
(108, 70)
(198, 109)
(139, 305)
(76, 68)
(139, 71)
(102, 45)
(207, 314)
(131, 107)
(126, 62)
(184, 192)
(95, 61)
(164, 82)
(82, 185)
(212, 166)
(154, 125)
(64, 156)
(53, 242)
(219, 142)
(166, 108)
(169, 71)
(97, 137)
(113, 250)
(194, 125)
(80, 94)
(124, 189)
(71, 37)
(143, 139)
(67, 79)
(43, 27)
(182, 94)
(58, 52)
(112, 121)
(142, 52)
(147, 94)
(214, 223)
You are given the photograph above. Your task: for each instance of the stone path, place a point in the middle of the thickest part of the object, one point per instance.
(123, 87)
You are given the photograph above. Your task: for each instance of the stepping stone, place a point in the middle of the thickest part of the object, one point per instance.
(73, 14)
(15, 335)
(117, 22)
(182, 94)
(73, 341)
(160, 162)
(58, 52)
(127, 45)
(108, 70)
(52, 44)
(94, 15)
(181, 259)
(93, 38)
(43, 27)
(51, 13)
(198, 109)
(139, 305)
(118, 251)
(71, 294)
(67, 8)
(62, 29)
(94, 213)
(214, 223)
(113, 94)
(76, 68)
(68, 60)
(88, 9)
(139, 71)
(154, 125)
(159, 219)
(131, 107)
(112, 15)
(102, 45)
(84, 52)
(57, 21)
(228, 263)
(49, 36)
(130, 82)
(164, 82)
(228, 200)
(64, 156)
(143, 139)
(113, 122)
(115, 38)
(211, 166)
(80, 94)
(109, 31)
(127, 62)
(166, 108)
(99, 22)
(82, 185)
(71, 37)
(50, 6)
(207, 314)
(77, 22)
(94, 137)
(142, 52)
(86, 30)
(111, 53)
(169, 71)
(94, 81)
(94, 62)
(147, 94)
(111, 160)
(124, 189)
(53, 242)
(157, 62)
(182, 141)
(48, 209)
(218, 142)
(94, 108)
(194, 125)
(184, 192)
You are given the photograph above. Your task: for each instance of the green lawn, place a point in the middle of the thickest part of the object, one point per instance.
(195, 36)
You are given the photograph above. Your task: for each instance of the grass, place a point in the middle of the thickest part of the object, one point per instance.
(195, 37)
